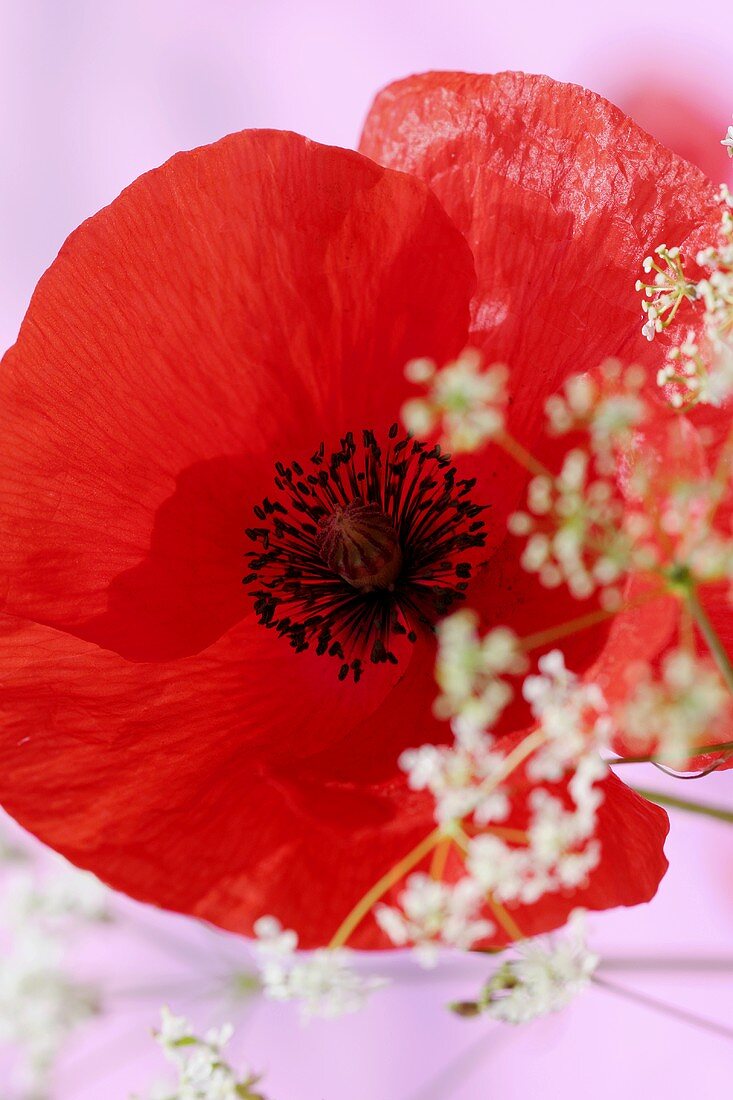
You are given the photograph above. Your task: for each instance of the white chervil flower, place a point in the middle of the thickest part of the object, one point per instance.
(60, 898)
(574, 527)
(173, 1029)
(669, 288)
(504, 871)
(202, 1069)
(691, 377)
(727, 141)
(557, 855)
(716, 386)
(327, 985)
(558, 849)
(570, 712)
(434, 914)
(464, 400)
(700, 370)
(459, 777)
(274, 940)
(608, 407)
(559, 840)
(40, 1004)
(470, 670)
(649, 328)
(322, 981)
(675, 710)
(546, 974)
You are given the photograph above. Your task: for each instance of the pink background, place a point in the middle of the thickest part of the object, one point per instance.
(91, 94)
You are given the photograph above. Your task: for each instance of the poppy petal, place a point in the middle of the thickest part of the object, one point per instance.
(196, 783)
(560, 197)
(232, 308)
(631, 832)
(165, 781)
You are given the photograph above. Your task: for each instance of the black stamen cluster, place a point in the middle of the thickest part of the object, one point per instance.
(298, 595)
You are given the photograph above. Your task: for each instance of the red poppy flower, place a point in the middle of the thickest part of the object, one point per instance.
(222, 350)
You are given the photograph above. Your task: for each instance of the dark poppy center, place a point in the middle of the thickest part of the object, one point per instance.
(358, 551)
(360, 543)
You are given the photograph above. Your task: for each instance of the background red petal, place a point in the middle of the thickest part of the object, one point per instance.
(560, 196)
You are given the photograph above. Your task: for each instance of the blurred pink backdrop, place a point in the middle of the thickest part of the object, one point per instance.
(92, 94)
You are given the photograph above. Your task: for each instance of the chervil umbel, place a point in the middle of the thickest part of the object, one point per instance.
(580, 529)
(574, 531)
(201, 1065)
(669, 289)
(544, 976)
(473, 672)
(323, 982)
(689, 378)
(43, 1001)
(42, 1004)
(460, 777)
(572, 716)
(519, 817)
(638, 500)
(672, 713)
(465, 401)
(700, 369)
(716, 289)
(607, 405)
(432, 914)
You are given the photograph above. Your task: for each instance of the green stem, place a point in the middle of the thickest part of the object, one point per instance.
(521, 455)
(710, 635)
(386, 882)
(661, 1006)
(718, 812)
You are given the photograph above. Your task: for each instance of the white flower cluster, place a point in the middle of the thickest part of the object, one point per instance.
(473, 783)
(579, 529)
(668, 290)
(617, 506)
(56, 901)
(728, 141)
(323, 981)
(464, 778)
(576, 532)
(432, 914)
(672, 712)
(560, 850)
(693, 530)
(716, 292)
(465, 401)
(203, 1072)
(689, 378)
(698, 372)
(571, 713)
(41, 1003)
(608, 408)
(547, 973)
(470, 670)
